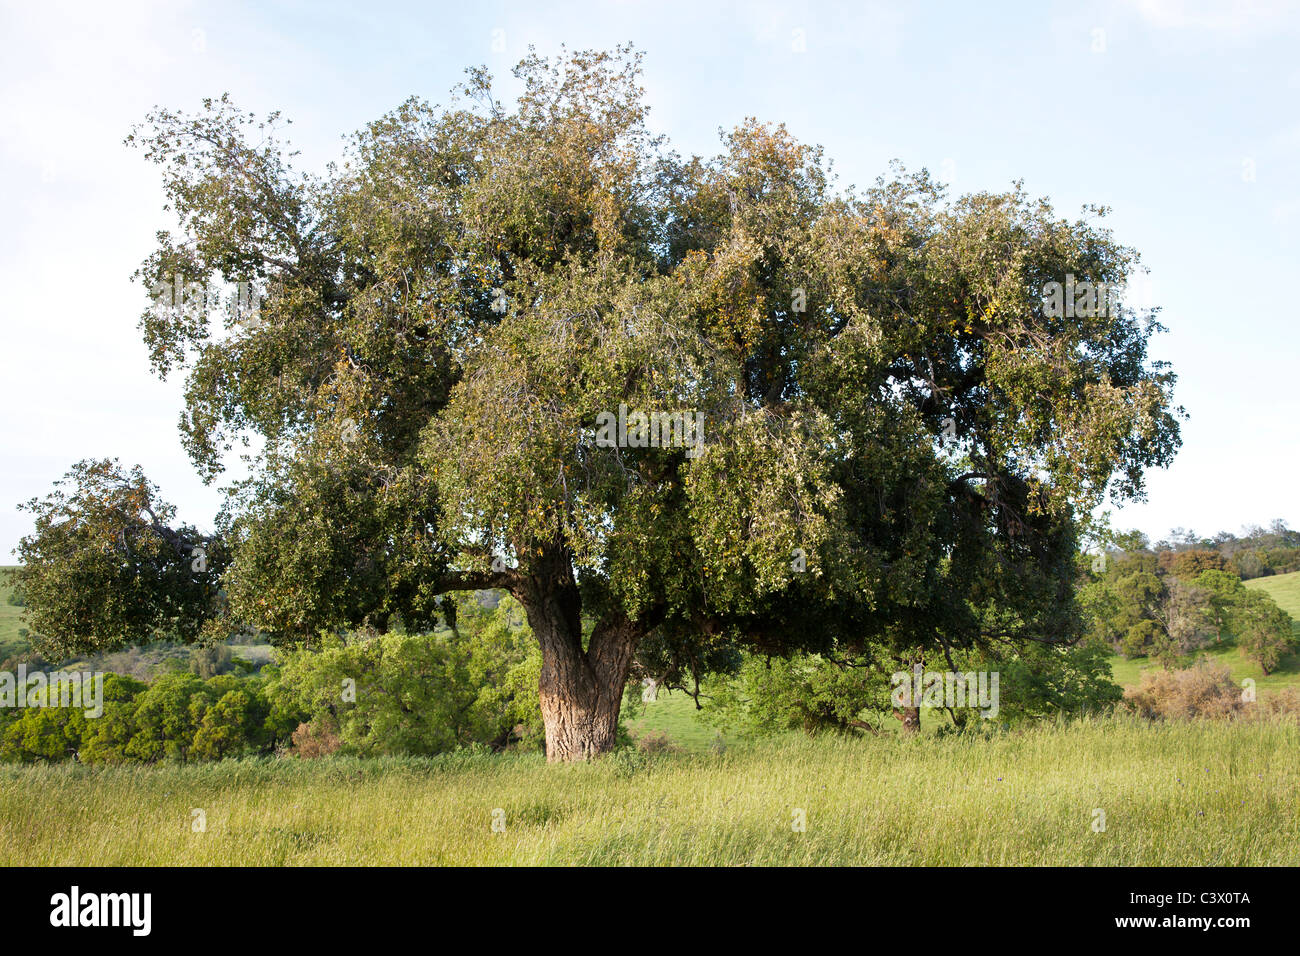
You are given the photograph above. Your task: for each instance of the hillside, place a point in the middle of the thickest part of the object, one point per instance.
(10, 619)
(1285, 590)
(1282, 588)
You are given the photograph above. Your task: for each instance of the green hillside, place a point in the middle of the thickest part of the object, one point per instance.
(1285, 590)
(10, 619)
(1282, 588)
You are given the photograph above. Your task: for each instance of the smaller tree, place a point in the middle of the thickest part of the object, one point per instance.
(1250, 564)
(104, 567)
(1184, 615)
(1264, 631)
(1223, 591)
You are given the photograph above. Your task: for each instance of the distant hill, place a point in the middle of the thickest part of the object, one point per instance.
(1282, 588)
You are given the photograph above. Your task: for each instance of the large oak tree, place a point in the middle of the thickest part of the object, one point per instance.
(900, 445)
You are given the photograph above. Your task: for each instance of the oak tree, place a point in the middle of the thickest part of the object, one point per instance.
(900, 443)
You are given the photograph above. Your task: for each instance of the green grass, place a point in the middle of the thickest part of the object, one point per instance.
(673, 713)
(1178, 793)
(1282, 588)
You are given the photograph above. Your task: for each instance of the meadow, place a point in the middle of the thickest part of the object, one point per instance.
(1179, 793)
(1190, 793)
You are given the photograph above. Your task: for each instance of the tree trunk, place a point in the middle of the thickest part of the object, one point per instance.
(581, 691)
(581, 716)
(911, 718)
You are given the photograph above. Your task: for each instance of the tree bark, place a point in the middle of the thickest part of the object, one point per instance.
(581, 691)
(911, 718)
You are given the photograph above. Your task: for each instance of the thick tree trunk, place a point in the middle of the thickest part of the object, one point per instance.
(581, 716)
(581, 690)
(581, 693)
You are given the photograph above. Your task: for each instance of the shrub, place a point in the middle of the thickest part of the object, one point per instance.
(655, 742)
(105, 738)
(1283, 703)
(210, 660)
(1206, 690)
(318, 738)
(420, 694)
(232, 725)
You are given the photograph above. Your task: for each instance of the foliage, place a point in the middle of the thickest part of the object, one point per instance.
(1191, 563)
(104, 568)
(1264, 631)
(1147, 604)
(814, 693)
(178, 717)
(209, 660)
(418, 694)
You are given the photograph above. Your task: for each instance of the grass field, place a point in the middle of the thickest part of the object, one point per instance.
(1182, 793)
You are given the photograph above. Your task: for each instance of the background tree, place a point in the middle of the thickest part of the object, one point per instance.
(901, 442)
(1223, 592)
(1264, 631)
(104, 568)
(1188, 564)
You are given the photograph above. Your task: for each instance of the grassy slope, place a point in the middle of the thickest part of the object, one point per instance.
(10, 620)
(1285, 590)
(1282, 588)
(673, 713)
(1181, 793)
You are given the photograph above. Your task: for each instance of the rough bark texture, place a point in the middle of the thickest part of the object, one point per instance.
(581, 691)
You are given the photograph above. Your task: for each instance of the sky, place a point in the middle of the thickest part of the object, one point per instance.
(1182, 117)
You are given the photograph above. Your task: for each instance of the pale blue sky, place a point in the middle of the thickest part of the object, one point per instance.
(1183, 117)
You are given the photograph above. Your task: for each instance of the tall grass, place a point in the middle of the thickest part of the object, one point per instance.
(1179, 793)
